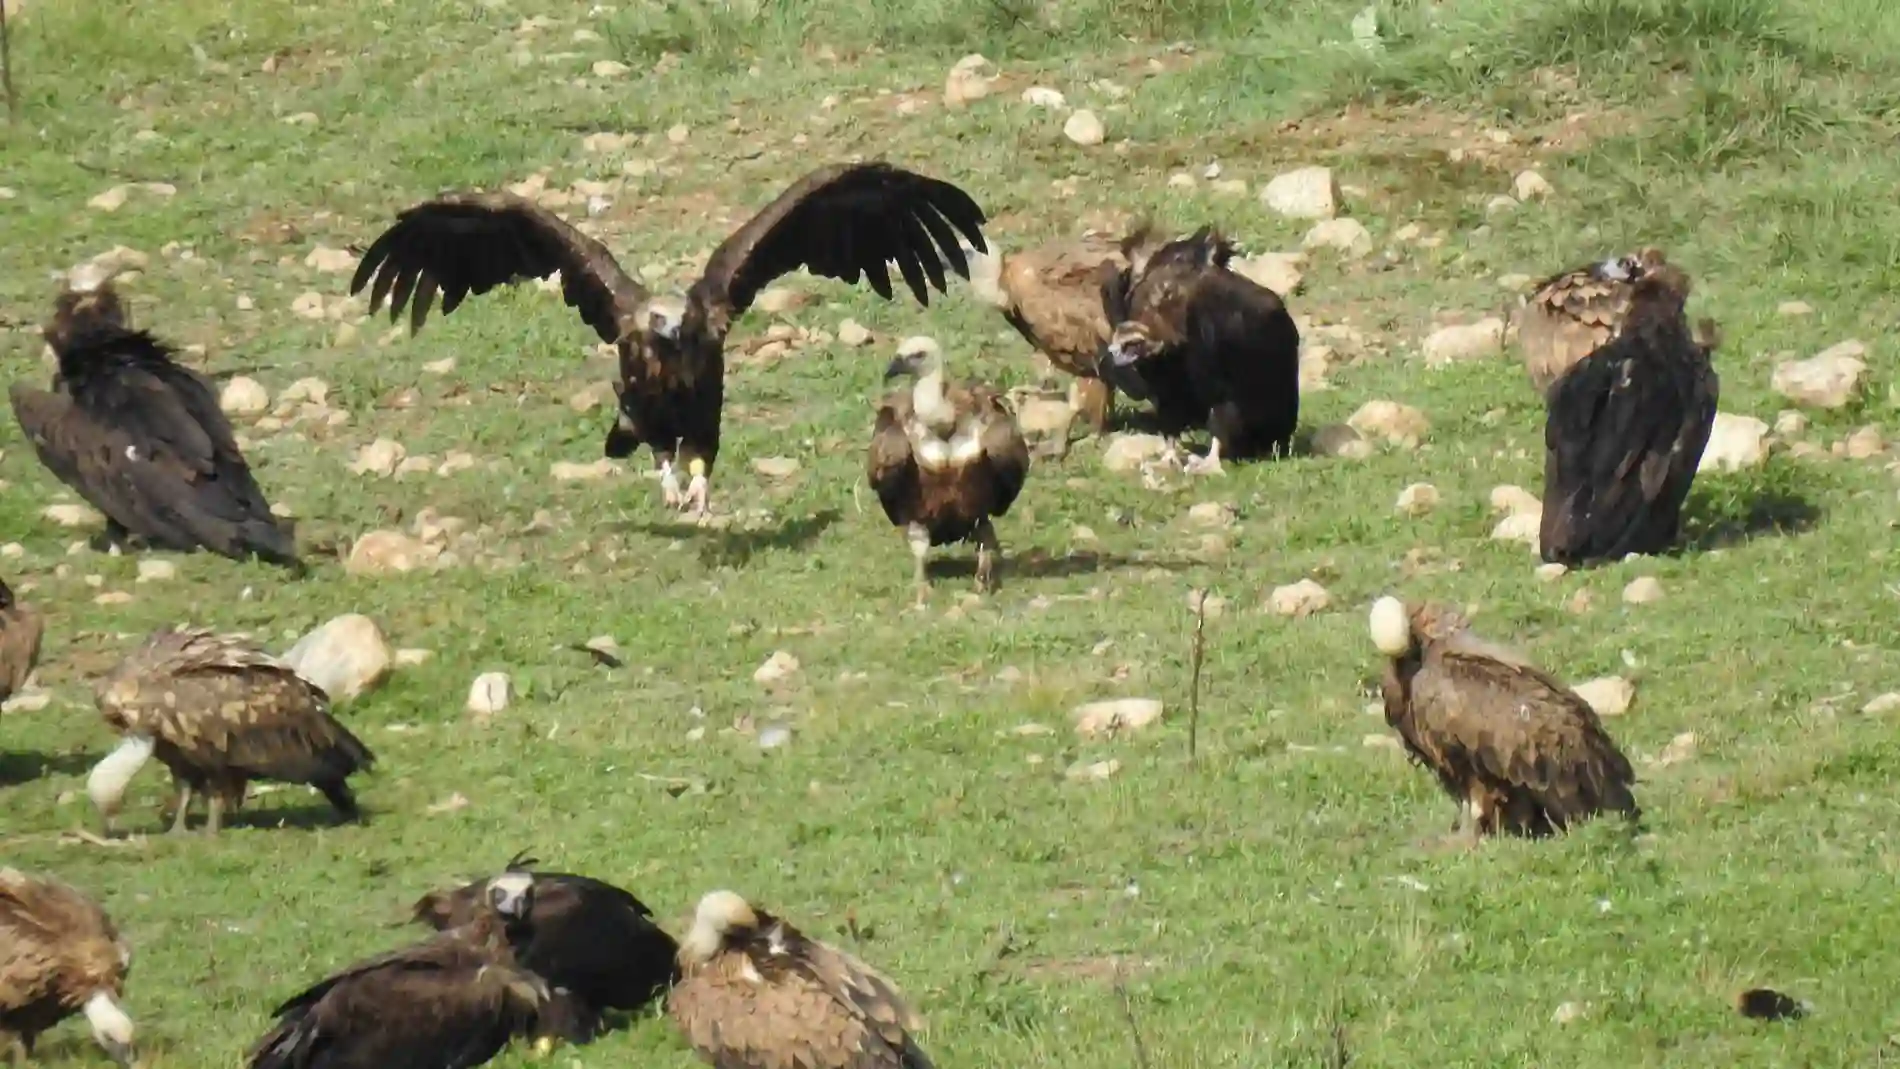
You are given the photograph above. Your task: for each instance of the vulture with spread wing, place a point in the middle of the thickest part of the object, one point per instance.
(581, 935)
(1626, 426)
(142, 438)
(452, 1001)
(847, 222)
(59, 956)
(1570, 314)
(20, 631)
(1052, 295)
(945, 459)
(755, 993)
(1517, 750)
(1208, 346)
(220, 712)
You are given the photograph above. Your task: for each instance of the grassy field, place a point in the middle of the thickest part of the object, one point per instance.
(1263, 906)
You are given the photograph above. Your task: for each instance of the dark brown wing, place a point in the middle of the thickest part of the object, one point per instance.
(845, 222)
(49, 931)
(467, 243)
(890, 468)
(1004, 451)
(20, 631)
(596, 940)
(1055, 299)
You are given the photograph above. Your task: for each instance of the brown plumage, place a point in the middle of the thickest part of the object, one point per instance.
(142, 438)
(1517, 750)
(1052, 295)
(220, 712)
(1208, 346)
(59, 956)
(945, 459)
(449, 1002)
(757, 994)
(20, 632)
(844, 221)
(1570, 314)
(1625, 428)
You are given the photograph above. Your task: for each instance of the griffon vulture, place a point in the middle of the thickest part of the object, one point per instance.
(757, 994)
(1626, 426)
(944, 460)
(580, 934)
(1208, 346)
(846, 222)
(59, 955)
(142, 438)
(1570, 314)
(20, 631)
(1052, 295)
(219, 712)
(450, 1002)
(1518, 751)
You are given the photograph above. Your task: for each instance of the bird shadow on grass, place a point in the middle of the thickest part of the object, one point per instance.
(1036, 564)
(1736, 512)
(17, 768)
(314, 816)
(734, 548)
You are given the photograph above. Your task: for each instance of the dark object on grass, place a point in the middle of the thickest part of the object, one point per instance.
(1767, 1004)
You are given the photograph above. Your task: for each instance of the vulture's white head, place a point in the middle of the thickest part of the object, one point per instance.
(111, 1026)
(921, 358)
(1391, 627)
(512, 894)
(720, 914)
(665, 315)
(107, 783)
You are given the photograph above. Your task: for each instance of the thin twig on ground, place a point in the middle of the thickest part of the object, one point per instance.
(1128, 1015)
(6, 67)
(1194, 685)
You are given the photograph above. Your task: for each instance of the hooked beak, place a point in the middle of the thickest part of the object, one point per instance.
(1616, 269)
(1125, 351)
(903, 367)
(662, 325)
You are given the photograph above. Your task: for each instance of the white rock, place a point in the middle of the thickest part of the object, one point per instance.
(1417, 499)
(113, 597)
(1515, 500)
(1037, 96)
(1609, 696)
(1681, 748)
(244, 396)
(1400, 424)
(610, 68)
(1529, 185)
(1789, 423)
(411, 657)
(1500, 205)
(1084, 771)
(1827, 380)
(308, 305)
(1308, 193)
(774, 735)
(27, 701)
(1464, 341)
(380, 458)
(1300, 599)
(776, 467)
(109, 201)
(73, 515)
(1882, 704)
(1643, 590)
(1519, 527)
(388, 552)
(488, 695)
(777, 668)
(967, 81)
(1341, 441)
(346, 656)
(1567, 1012)
(1794, 308)
(1277, 271)
(1127, 452)
(440, 367)
(1213, 514)
(1116, 716)
(1084, 127)
(778, 300)
(1044, 417)
(333, 261)
(568, 471)
(1735, 443)
(152, 570)
(456, 461)
(306, 391)
(12, 551)
(853, 333)
(1551, 572)
(1865, 443)
(1346, 236)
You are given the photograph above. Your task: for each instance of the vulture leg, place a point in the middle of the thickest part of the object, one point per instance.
(987, 550)
(1207, 465)
(1094, 401)
(214, 812)
(14, 1047)
(184, 808)
(919, 538)
(695, 498)
(670, 485)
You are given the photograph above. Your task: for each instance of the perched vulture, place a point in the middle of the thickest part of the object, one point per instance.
(1208, 346)
(1052, 295)
(1626, 426)
(20, 631)
(1518, 751)
(581, 935)
(944, 459)
(450, 1002)
(755, 993)
(142, 438)
(59, 955)
(219, 712)
(1569, 315)
(847, 222)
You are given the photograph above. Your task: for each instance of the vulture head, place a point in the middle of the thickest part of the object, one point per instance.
(921, 360)
(511, 895)
(111, 1027)
(1631, 268)
(663, 316)
(1397, 630)
(89, 304)
(721, 916)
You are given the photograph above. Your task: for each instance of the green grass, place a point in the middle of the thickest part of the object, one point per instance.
(1278, 886)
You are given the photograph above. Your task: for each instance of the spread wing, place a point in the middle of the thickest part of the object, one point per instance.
(891, 469)
(467, 243)
(1004, 450)
(738, 1017)
(846, 222)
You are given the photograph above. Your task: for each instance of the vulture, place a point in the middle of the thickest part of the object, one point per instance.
(1208, 346)
(1518, 751)
(450, 1002)
(59, 955)
(944, 460)
(755, 993)
(219, 712)
(846, 222)
(20, 631)
(142, 438)
(1052, 295)
(585, 936)
(1568, 315)
(1625, 428)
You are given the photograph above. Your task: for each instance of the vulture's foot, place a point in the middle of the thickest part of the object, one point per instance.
(184, 809)
(919, 539)
(670, 486)
(214, 813)
(697, 490)
(1207, 465)
(987, 550)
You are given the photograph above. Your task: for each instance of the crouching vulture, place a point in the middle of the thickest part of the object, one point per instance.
(755, 993)
(582, 935)
(1517, 750)
(945, 458)
(142, 438)
(20, 631)
(219, 712)
(452, 1001)
(1626, 426)
(1208, 346)
(59, 956)
(846, 222)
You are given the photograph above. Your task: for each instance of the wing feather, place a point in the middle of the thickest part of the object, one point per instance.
(891, 469)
